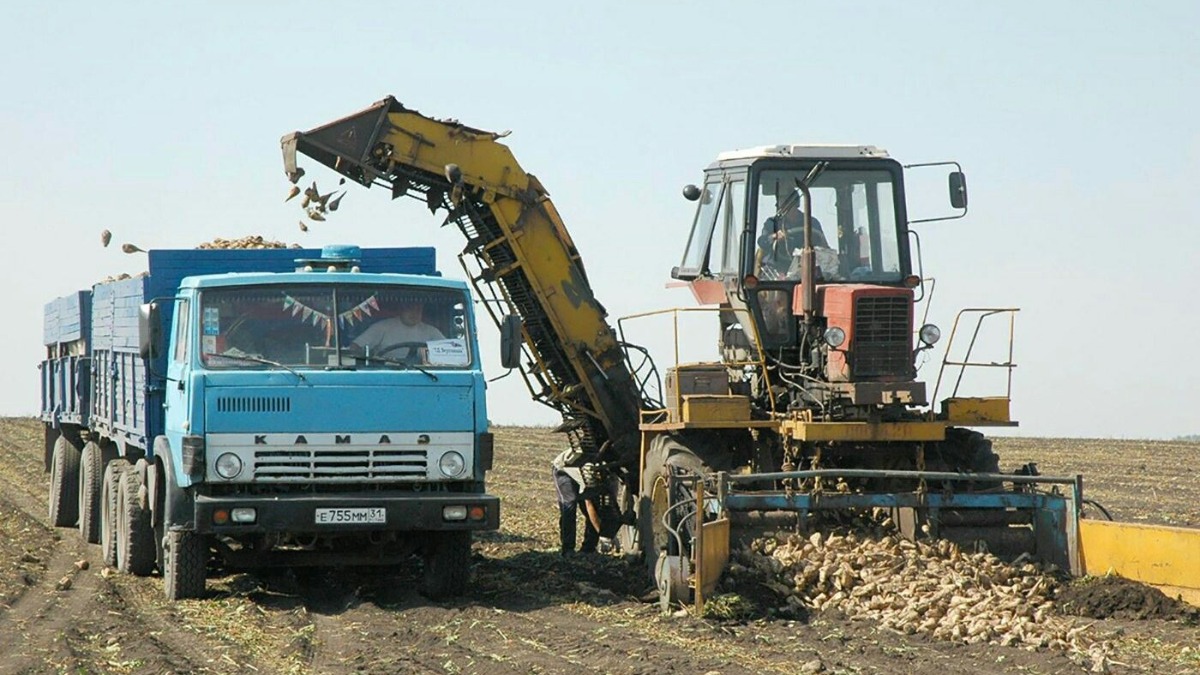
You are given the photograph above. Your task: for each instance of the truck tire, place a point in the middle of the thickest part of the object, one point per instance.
(185, 564)
(135, 534)
(51, 437)
(91, 485)
(64, 484)
(447, 564)
(109, 491)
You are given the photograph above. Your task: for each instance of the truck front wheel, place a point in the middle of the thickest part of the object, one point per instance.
(64, 483)
(185, 561)
(135, 534)
(447, 564)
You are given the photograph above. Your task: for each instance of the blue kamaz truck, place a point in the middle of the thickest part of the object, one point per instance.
(244, 406)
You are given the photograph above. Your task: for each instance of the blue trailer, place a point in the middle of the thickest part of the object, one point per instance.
(246, 405)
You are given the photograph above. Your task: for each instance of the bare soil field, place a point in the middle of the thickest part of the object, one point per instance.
(529, 610)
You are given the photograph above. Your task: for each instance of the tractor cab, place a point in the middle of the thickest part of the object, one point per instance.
(808, 248)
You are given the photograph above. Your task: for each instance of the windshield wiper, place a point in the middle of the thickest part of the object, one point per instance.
(259, 359)
(393, 362)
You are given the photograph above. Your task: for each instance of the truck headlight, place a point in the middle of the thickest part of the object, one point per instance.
(930, 334)
(228, 466)
(451, 464)
(834, 336)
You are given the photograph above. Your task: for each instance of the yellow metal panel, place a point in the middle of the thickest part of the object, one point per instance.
(679, 426)
(865, 431)
(711, 559)
(976, 410)
(1162, 556)
(707, 408)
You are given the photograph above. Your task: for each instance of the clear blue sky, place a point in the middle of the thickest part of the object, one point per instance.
(1076, 124)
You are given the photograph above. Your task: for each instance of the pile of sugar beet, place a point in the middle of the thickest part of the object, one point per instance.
(932, 587)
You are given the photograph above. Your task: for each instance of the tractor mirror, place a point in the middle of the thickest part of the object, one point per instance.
(691, 193)
(958, 189)
(148, 330)
(510, 341)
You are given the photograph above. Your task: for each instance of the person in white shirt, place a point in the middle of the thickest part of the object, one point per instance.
(385, 337)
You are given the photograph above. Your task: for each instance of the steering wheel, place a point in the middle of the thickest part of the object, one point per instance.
(412, 346)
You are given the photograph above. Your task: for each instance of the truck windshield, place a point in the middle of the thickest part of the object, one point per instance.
(855, 233)
(318, 326)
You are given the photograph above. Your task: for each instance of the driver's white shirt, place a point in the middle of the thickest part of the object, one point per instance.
(392, 331)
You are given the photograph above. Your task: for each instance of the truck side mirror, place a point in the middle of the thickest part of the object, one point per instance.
(958, 189)
(510, 341)
(148, 330)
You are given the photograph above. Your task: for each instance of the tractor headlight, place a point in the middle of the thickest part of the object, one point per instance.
(451, 464)
(930, 334)
(228, 466)
(834, 336)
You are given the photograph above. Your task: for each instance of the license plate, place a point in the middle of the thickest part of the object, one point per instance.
(373, 515)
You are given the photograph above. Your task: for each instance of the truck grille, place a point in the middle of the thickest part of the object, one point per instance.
(331, 466)
(882, 346)
(254, 404)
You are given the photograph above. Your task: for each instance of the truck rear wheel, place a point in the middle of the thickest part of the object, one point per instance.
(64, 484)
(91, 485)
(109, 491)
(447, 564)
(185, 562)
(135, 534)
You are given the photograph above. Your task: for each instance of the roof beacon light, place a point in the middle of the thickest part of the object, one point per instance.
(334, 258)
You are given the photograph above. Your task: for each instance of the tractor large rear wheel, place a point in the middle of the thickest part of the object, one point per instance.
(664, 519)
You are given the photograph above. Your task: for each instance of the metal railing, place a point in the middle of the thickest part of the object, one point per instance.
(966, 362)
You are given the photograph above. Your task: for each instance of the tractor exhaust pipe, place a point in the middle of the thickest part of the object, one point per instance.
(808, 262)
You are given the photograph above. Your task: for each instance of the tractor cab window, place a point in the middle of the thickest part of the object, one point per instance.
(311, 325)
(696, 258)
(854, 230)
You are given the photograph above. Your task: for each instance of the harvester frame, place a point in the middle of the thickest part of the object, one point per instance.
(523, 262)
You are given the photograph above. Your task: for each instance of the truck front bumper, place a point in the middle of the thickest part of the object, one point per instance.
(334, 513)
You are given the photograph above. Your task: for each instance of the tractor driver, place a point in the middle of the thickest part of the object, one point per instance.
(407, 326)
(782, 234)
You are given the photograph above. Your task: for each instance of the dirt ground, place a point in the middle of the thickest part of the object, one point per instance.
(529, 610)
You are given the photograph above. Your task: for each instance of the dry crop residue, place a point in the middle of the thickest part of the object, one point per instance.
(528, 609)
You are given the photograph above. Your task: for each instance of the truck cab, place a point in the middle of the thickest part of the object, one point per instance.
(268, 409)
(293, 432)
